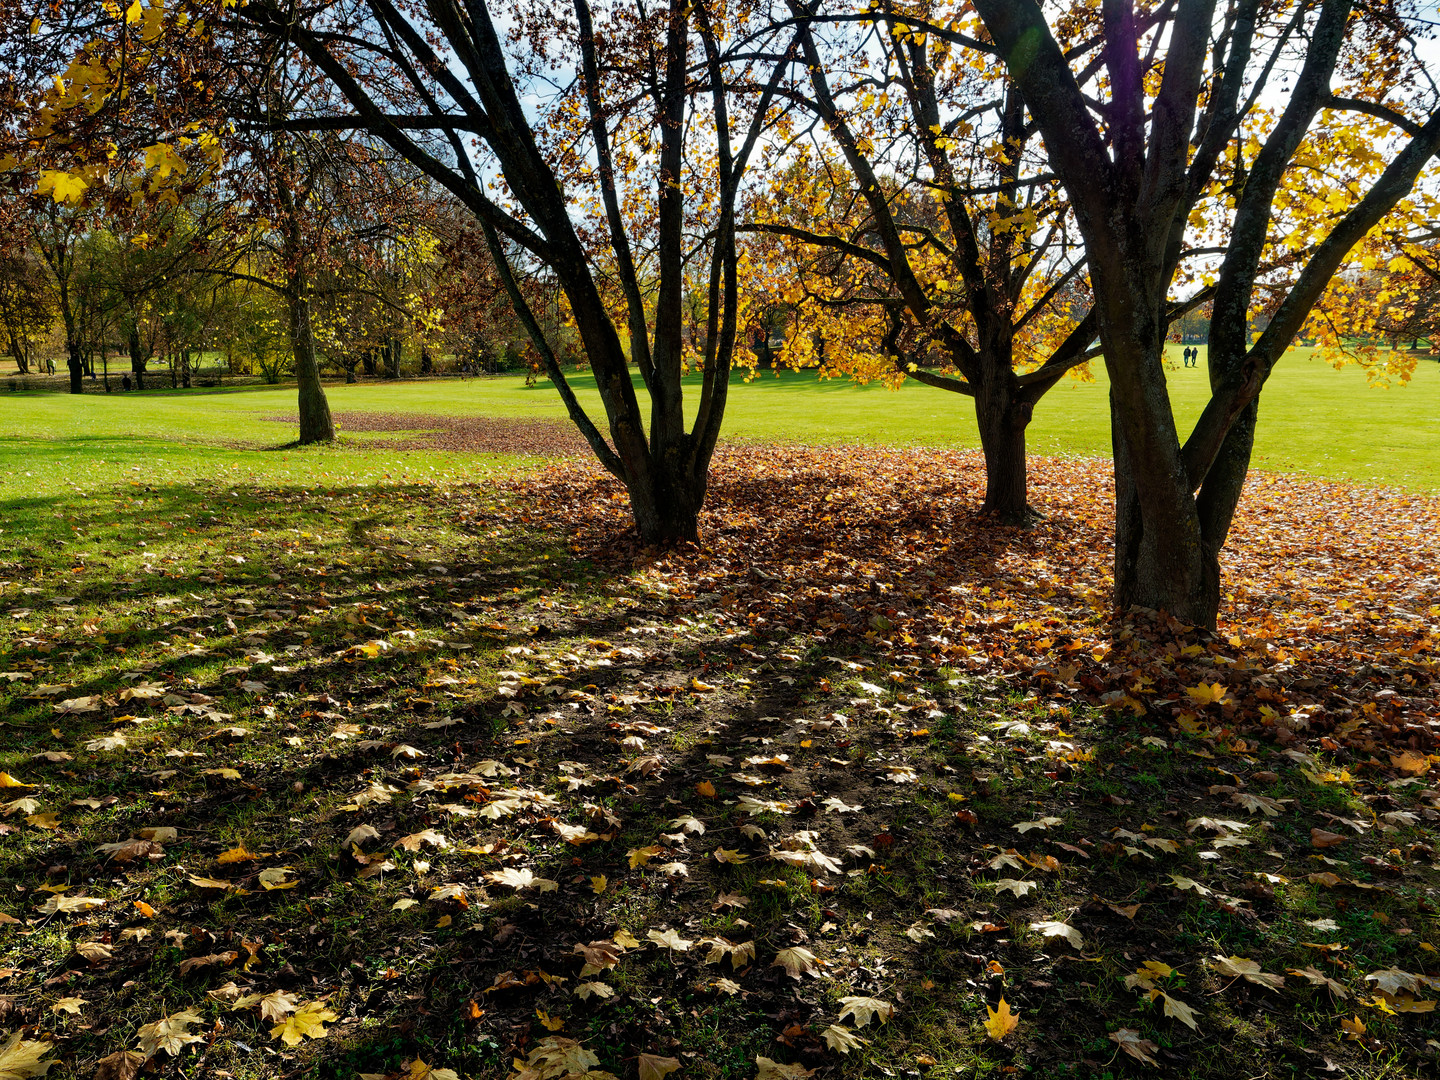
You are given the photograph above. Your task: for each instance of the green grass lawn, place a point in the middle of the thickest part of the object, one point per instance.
(1313, 419)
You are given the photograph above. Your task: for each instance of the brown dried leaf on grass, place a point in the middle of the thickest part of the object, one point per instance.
(1142, 1050)
(1239, 967)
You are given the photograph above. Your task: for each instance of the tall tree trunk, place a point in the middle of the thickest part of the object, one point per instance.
(1160, 559)
(316, 424)
(1002, 417)
(137, 358)
(73, 359)
(76, 365)
(368, 362)
(22, 362)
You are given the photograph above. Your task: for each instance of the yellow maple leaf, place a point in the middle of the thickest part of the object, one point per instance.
(421, 1071)
(306, 1022)
(1213, 694)
(63, 187)
(1001, 1021)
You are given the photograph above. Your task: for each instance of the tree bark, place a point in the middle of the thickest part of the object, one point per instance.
(22, 362)
(1002, 418)
(316, 424)
(76, 366)
(1160, 559)
(666, 504)
(137, 359)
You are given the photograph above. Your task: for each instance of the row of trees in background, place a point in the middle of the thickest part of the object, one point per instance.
(983, 196)
(191, 290)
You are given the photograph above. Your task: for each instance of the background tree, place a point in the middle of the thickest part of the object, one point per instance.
(949, 241)
(26, 312)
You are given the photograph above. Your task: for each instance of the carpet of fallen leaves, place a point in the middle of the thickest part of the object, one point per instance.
(1328, 629)
(457, 781)
(461, 434)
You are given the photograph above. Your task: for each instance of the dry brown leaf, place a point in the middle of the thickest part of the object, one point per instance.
(121, 1065)
(653, 1067)
(1142, 1050)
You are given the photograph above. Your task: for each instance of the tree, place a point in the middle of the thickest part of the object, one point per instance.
(1182, 133)
(649, 131)
(26, 312)
(950, 241)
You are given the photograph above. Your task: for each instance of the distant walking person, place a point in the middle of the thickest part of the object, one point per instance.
(125, 383)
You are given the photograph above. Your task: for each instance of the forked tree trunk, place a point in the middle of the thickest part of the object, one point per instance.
(666, 506)
(1160, 557)
(316, 424)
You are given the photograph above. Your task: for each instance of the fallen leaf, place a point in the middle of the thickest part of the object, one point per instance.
(418, 1070)
(516, 878)
(1000, 1021)
(1014, 885)
(1142, 1050)
(670, 940)
(864, 1009)
(239, 854)
(1241, 968)
(424, 837)
(1319, 978)
(842, 1039)
(21, 1058)
(797, 961)
(1059, 929)
(306, 1022)
(121, 1065)
(277, 877)
(94, 951)
(653, 1067)
(774, 1070)
(170, 1034)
